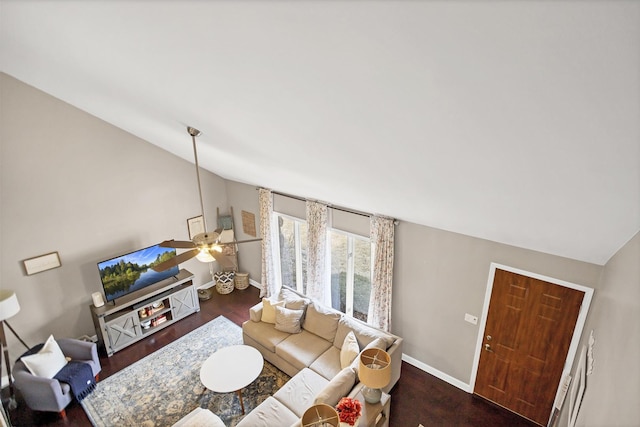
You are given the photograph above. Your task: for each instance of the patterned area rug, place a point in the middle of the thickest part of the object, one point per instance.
(161, 388)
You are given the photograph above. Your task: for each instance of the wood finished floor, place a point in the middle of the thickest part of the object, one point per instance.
(417, 398)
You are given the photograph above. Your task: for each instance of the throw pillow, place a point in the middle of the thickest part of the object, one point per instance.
(288, 320)
(349, 351)
(338, 387)
(292, 300)
(47, 362)
(269, 310)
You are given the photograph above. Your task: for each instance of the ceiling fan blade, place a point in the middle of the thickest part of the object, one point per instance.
(177, 244)
(238, 241)
(225, 262)
(173, 262)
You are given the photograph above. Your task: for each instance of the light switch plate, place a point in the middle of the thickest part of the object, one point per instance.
(471, 318)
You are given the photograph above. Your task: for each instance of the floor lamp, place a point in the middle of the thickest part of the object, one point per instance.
(9, 307)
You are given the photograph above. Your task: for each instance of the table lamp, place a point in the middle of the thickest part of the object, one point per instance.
(320, 415)
(9, 307)
(374, 372)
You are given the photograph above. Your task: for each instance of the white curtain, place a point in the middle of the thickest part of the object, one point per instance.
(382, 236)
(317, 277)
(269, 284)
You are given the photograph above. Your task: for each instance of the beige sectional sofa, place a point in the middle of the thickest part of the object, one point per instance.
(317, 346)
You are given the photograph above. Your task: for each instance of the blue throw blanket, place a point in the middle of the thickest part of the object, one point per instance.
(80, 378)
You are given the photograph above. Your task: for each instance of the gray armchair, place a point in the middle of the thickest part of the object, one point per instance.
(46, 394)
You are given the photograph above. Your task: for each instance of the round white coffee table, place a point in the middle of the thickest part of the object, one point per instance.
(231, 369)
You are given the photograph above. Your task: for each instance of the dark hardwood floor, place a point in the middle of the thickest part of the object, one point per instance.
(417, 398)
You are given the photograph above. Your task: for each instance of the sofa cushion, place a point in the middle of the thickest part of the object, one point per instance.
(328, 364)
(349, 350)
(300, 350)
(337, 388)
(269, 310)
(200, 417)
(255, 312)
(321, 321)
(364, 334)
(301, 390)
(288, 320)
(264, 334)
(269, 413)
(47, 361)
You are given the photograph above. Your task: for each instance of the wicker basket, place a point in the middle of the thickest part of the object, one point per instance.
(224, 282)
(242, 280)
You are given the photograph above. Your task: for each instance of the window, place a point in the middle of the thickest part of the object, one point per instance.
(350, 262)
(350, 273)
(292, 240)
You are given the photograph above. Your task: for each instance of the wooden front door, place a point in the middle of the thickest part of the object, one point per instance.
(527, 335)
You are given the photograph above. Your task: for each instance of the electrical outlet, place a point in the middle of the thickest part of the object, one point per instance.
(471, 318)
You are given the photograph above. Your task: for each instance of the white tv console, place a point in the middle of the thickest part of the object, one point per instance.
(144, 312)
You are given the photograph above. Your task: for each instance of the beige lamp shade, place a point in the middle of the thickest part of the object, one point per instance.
(375, 368)
(9, 306)
(320, 415)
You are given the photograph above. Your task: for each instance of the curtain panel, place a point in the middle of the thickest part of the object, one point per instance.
(269, 284)
(382, 240)
(317, 277)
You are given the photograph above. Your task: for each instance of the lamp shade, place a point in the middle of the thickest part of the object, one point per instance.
(375, 368)
(320, 415)
(9, 306)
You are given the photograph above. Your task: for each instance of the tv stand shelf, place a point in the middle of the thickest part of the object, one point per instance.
(145, 312)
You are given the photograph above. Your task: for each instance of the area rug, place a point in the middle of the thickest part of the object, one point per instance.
(161, 388)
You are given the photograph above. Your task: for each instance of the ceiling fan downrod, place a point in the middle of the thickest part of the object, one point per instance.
(195, 132)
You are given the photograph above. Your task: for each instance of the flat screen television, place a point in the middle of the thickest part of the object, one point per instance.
(131, 272)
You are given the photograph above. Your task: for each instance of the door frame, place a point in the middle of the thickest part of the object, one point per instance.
(577, 332)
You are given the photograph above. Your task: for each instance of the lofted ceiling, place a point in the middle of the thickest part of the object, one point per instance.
(513, 121)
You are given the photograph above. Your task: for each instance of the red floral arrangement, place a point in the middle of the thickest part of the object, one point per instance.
(349, 410)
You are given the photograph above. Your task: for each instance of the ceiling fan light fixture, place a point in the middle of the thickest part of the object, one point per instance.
(204, 256)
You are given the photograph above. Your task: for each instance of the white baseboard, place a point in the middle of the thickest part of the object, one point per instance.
(207, 285)
(255, 284)
(438, 374)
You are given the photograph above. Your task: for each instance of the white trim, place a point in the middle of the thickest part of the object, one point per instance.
(577, 333)
(207, 285)
(436, 373)
(276, 268)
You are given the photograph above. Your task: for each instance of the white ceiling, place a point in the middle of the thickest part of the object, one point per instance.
(513, 121)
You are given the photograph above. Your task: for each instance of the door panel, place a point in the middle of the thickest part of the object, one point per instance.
(527, 335)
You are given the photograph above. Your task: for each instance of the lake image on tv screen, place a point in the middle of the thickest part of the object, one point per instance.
(131, 272)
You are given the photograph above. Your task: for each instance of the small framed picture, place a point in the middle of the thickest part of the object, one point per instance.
(195, 226)
(41, 263)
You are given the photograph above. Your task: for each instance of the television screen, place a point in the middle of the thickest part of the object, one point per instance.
(131, 272)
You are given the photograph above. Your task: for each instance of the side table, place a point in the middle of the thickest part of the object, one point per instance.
(374, 414)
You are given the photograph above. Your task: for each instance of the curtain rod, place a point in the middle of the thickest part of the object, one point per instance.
(337, 208)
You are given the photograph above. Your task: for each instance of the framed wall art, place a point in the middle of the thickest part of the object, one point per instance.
(195, 226)
(41, 263)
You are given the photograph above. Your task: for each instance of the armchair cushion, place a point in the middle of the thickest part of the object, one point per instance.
(46, 362)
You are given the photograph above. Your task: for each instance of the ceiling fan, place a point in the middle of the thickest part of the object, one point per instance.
(207, 246)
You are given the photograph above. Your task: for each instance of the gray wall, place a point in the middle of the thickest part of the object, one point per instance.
(77, 185)
(243, 197)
